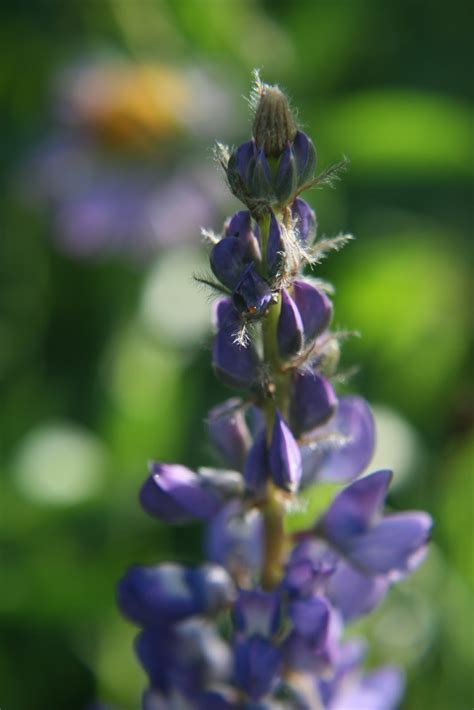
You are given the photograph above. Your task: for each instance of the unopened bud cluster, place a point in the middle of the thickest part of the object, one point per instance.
(278, 163)
(262, 623)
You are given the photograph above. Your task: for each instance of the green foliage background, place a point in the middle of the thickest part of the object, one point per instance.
(389, 85)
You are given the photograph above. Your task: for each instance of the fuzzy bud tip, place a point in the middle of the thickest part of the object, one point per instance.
(274, 124)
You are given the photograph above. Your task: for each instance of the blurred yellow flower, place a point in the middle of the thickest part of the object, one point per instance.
(128, 105)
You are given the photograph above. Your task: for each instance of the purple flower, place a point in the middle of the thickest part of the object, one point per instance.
(305, 157)
(286, 179)
(343, 447)
(229, 433)
(228, 259)
(378, 690)
(189, 657)
(262, 626)
(257, 466)
(312, 403)
(237, 365)
(252, 294)
(310, 565)
(310, 618)
(103, 174)
(305, 220)
(315, 652)
(290, 327)
(284, 456)
(355, 594)
(234, 540)
(275, 247)
(314, 307)
(257, 663)
(239, 225)
(374, 543)
(176, 494)
(257, 613)
(162, 595)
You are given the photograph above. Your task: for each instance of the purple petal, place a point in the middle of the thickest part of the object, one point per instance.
(310, 565)
(394, 545)
(227, 260)
(236, 365)
(310, 619)
(275, 247)
(315, 308)
(259, 177)
(243, 155)
(355, 594)
(286, 176)
(302, 655)
(381, 689)
(251, 295)
(162, 595)
(256, 468)
(305, 220)
(290, 327)
(284, 456)
(234, 539)
(355, 509)
(345, 444)
(229, 433)
(155, 650)
(239, 225)
(257, 613)
(257, 663)
(313, 401)
(175, 494)
(305, 156)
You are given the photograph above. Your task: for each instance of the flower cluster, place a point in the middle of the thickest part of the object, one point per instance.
(261, 623)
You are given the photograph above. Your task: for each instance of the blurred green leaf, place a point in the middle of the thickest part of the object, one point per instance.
(408, 296)
(310, 504)
(455, 509)
(402, 134)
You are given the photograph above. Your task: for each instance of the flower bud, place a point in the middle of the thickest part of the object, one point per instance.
(251, 295)
(305, 156)
(176, 494)
(167, 593)
(229, 433)
(227, 260)
(259, 178)
(275, 248)
(305, 220)
(236, 365)
(290, 327)
(314, 307)
(274, 124)
(313, 401)
(286, 178)
(284, 456)
(256, 466)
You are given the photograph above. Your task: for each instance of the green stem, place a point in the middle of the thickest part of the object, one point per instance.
(274, 537)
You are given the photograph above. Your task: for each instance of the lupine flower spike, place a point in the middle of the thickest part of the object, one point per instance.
(261, 624)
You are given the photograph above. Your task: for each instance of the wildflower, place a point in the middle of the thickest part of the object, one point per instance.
(262, 623)
(112, 173)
